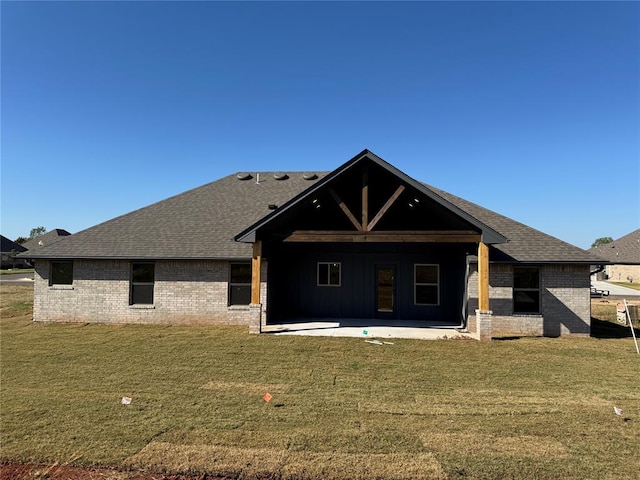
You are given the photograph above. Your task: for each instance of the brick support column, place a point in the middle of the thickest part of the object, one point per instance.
(255, 318)
(483, 324)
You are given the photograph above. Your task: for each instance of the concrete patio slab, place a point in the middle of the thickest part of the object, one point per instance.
(364, 330)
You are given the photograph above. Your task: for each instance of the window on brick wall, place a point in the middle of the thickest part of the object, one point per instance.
(526, 290)
(239, 284)
(61, 273)
(142, 283)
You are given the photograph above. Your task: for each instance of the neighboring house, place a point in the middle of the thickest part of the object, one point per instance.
(9, 250)
(45, 239)
(624, 255)
(364, 241)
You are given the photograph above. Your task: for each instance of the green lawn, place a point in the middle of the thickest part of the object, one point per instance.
(341, 408)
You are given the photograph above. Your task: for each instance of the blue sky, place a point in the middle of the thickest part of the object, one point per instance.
(531, 109)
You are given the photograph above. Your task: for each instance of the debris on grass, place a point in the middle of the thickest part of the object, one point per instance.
(126, 401)
(267, 397)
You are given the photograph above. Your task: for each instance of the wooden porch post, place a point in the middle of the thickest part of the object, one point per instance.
(483, 277)
(256, 264)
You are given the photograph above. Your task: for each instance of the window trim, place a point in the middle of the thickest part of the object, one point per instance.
(132, 284)
(56, 284)
(328, 265)
(526, 289)
(416, 284)
(230, 285)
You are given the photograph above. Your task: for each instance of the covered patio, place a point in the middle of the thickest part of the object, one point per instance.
(367, 244)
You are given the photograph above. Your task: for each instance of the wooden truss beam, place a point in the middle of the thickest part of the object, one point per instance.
(385, 208)
(345, 209)
(441, 236)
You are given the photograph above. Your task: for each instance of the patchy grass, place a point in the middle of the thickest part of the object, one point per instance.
(16, 301)
(341, 408)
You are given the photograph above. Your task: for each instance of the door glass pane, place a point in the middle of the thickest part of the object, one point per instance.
(385, 289)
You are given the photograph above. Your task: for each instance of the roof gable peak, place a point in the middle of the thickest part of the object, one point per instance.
(368, 215)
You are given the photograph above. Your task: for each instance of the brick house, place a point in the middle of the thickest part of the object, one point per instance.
(624, 255)
(364, 241)
(8, 251)
(45, 239)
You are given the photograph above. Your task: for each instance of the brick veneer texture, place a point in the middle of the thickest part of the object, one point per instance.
(565, 302)
(195, 292)
(185, 292)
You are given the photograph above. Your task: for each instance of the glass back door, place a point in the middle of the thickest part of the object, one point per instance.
(385, 290)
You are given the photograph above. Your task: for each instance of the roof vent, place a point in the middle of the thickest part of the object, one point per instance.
(244, 176)
(309, 176)
(280, 176)
(272, 206)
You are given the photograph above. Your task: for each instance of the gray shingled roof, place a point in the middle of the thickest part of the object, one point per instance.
(525, 244)
(197, 224)
(624, 250)
(201, 224)
(7, 245)
(46, 239)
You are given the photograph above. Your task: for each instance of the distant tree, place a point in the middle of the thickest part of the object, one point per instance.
(37, 232)
(21, 240)
(601, 241)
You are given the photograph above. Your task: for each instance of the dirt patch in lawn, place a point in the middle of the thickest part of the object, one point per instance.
(23, 471)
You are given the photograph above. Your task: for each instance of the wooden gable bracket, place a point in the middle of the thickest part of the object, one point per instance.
(345, 209)
(385, 208)
(366, 226)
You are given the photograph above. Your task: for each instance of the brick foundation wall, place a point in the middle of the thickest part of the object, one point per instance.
(565, 302)
(185, 292)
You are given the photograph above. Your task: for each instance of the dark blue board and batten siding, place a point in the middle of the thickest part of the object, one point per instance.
(294, 292)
